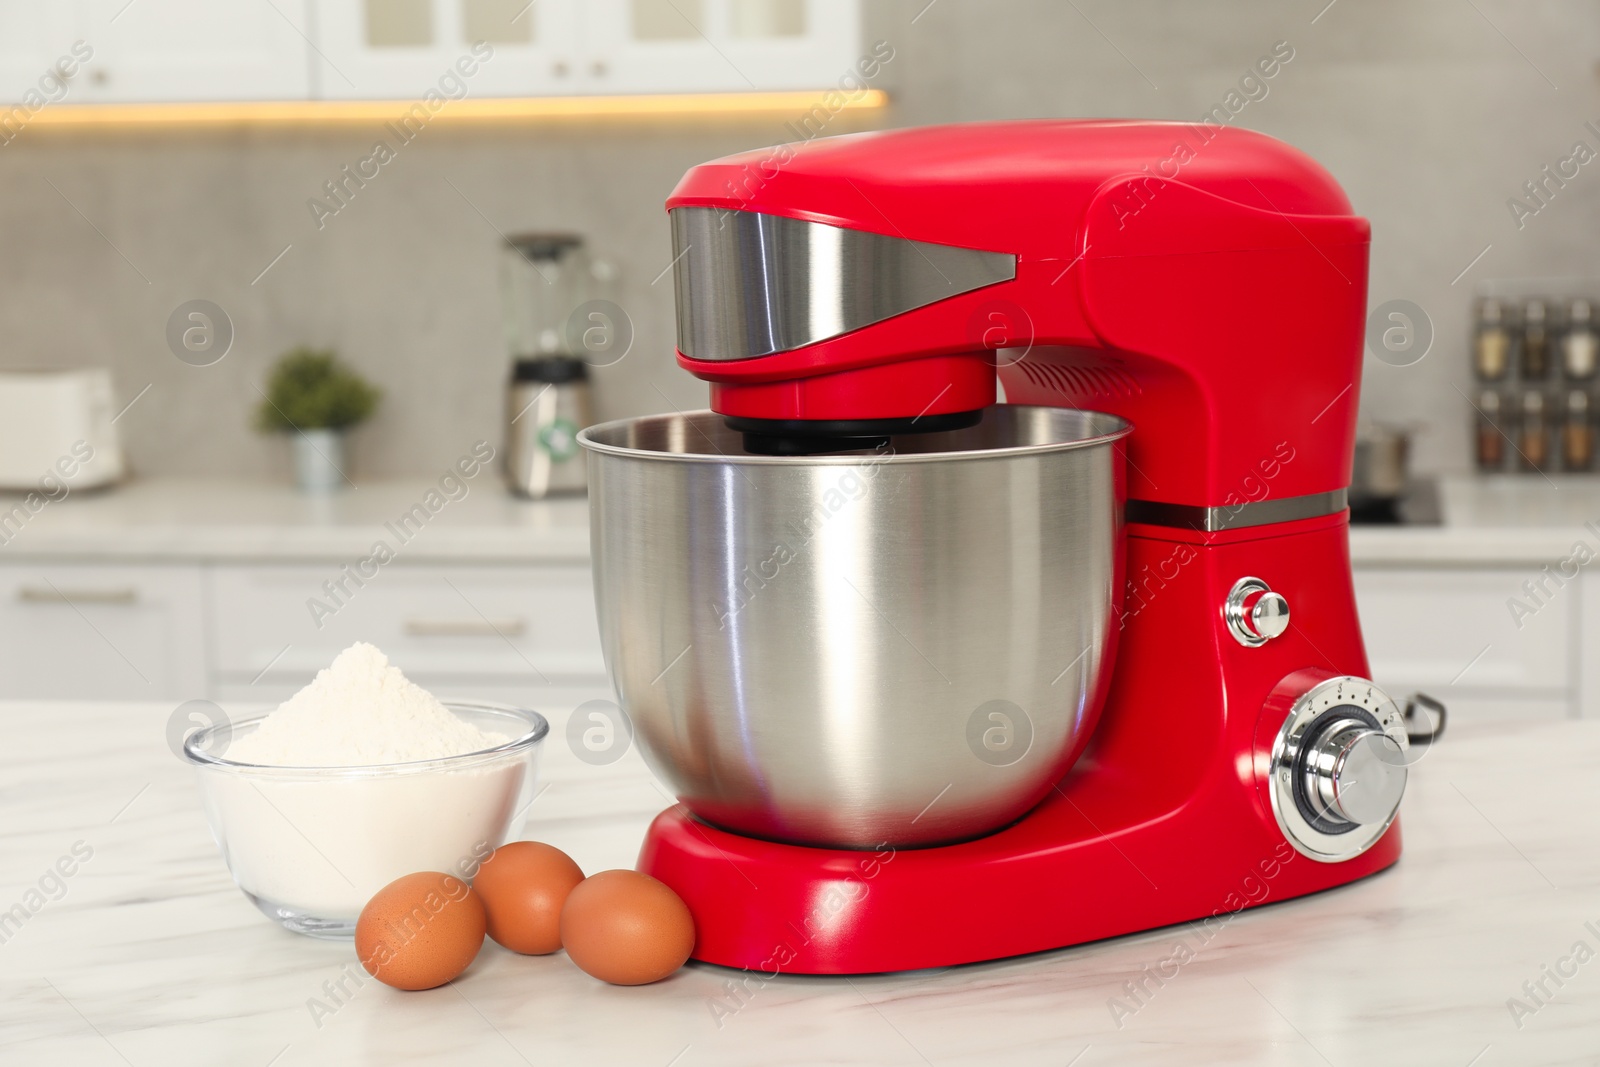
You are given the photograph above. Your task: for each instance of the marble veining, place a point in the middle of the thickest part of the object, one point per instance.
(151, 956)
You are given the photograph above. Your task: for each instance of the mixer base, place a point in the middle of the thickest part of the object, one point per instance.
(1166, 820)
(1066, 874)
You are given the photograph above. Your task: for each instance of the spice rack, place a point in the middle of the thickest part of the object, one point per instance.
(1534, 360)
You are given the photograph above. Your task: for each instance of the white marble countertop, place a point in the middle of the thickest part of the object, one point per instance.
(1501, 520)
(152, 957)
(193, 520)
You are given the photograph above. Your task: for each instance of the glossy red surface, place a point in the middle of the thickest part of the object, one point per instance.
(1164, 820)
(934, 385)
(1218, 301)
(1004, 186)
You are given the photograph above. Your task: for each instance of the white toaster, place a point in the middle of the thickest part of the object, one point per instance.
(56, 428)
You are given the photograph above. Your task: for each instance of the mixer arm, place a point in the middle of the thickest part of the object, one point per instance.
(1241, 327)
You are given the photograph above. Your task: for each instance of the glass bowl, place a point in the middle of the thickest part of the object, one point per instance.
(310, 845)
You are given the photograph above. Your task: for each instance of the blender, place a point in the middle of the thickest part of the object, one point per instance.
(546, 280)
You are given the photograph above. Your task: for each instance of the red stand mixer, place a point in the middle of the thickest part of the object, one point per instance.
(854, 307)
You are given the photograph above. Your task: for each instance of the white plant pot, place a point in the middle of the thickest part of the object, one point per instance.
(318, 460)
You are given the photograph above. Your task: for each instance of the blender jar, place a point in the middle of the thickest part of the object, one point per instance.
(544, 277)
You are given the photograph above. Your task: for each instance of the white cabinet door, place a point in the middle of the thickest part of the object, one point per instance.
(435, 51)
(406, 49)
(35, 40)
(647, 46)
(1588, 647)
(1452, 632)
(183, 50)
(92, 632)
(456, 629)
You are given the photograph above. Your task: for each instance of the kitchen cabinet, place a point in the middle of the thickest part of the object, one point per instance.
(1448, 632)
(183, 50)
(1588, 666)
(464, 630)
(405, 50)
(113, 51)
(97, 632)
(33, 39)
(402, 49)
(642, 46)
(244, 634)
(172, 589)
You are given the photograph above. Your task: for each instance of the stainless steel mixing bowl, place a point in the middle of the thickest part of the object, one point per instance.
(906, 646)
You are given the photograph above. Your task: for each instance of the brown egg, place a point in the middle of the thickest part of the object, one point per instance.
(420, 931)
(626, 928)
(523, 886)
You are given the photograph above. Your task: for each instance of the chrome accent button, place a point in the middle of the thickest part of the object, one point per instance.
(1254, 613)
(1338, 768)
(1270, 616)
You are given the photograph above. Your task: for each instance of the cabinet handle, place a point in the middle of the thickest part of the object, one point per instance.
(33, 594)
(503, 627)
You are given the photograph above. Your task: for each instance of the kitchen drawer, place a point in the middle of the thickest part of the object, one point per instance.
(1481, 707)
(479, 624)
(91, 632)
(1451, 632)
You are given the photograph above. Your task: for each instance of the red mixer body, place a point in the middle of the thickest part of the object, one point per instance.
(1209, 285)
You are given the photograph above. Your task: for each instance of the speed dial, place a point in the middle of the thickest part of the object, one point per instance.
(1338, 768)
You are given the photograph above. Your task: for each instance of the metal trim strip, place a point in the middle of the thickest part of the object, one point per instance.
(751, 284)
(1237, 517)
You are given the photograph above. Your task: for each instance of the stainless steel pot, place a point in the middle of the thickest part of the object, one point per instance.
(907, 646)
(1381, 466)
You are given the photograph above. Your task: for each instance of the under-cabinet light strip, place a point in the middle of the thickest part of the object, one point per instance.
(315, 112)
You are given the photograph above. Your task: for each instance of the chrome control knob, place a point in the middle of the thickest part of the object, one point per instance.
(1254, 613)
(1354, 773)
(1338, 768)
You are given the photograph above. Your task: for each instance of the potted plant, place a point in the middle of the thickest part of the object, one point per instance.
(314, 398)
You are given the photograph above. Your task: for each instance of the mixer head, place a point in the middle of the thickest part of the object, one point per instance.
(1206, 283)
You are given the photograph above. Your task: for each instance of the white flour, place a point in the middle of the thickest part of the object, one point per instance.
(320, 842)
(359, 712)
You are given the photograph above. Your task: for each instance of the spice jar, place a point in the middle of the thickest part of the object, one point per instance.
(1491, 342)
(1490, 439)
(1580, 345)
(1535, 341)
(1577, 433)
(1534, 434)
